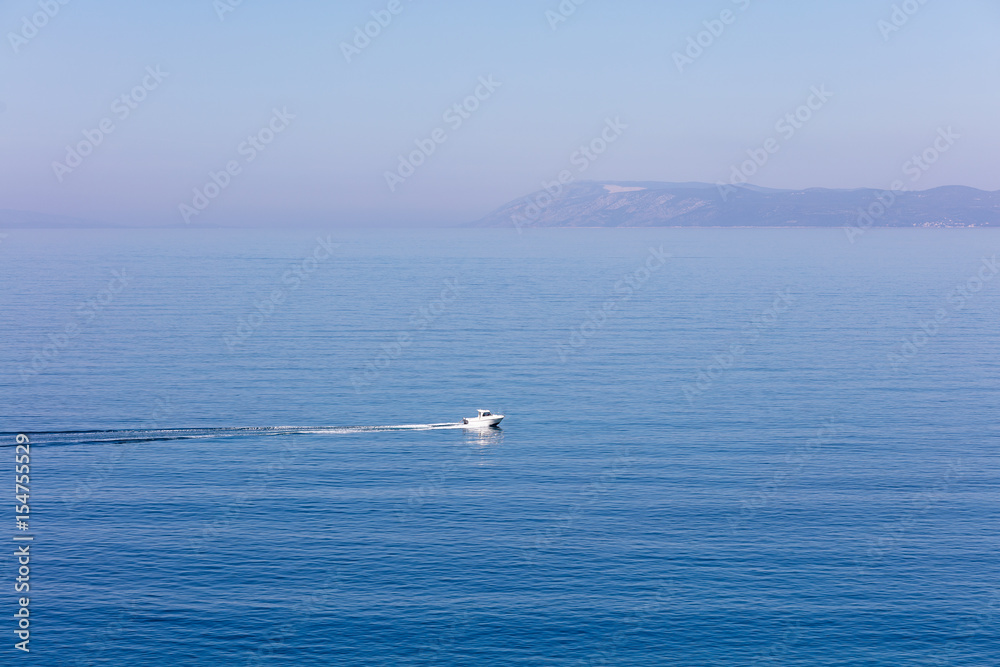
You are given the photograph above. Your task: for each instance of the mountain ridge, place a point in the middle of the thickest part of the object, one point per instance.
(696, 204)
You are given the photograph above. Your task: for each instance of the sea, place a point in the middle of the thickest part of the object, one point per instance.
(720, 447)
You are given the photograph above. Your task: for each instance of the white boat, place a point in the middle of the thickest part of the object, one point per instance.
(484, 419)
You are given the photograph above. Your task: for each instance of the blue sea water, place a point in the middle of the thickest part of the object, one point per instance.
(771, 447)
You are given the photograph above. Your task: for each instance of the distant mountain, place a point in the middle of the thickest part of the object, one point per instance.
(655, 204)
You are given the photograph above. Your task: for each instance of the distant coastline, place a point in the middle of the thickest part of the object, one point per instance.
(657, 204)
(641, 204)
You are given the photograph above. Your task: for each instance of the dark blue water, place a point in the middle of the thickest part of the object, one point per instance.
(773, 447)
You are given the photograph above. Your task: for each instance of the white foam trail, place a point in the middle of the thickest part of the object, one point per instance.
(147, 435)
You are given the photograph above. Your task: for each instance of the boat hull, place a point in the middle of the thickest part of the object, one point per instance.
(482, 422)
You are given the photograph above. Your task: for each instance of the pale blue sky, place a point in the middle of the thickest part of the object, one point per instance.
(353, 120)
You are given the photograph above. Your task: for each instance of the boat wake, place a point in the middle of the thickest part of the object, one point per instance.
(122, 436)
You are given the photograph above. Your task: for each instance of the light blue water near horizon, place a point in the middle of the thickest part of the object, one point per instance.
(741, 464)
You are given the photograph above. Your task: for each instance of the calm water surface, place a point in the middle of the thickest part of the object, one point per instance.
(772, 447)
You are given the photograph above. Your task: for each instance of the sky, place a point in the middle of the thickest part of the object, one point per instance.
(245, 112)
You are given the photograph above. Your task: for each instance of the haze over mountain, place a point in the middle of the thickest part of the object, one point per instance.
(655, 204)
